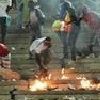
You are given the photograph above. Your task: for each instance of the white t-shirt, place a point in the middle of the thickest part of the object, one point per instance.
(38, 45)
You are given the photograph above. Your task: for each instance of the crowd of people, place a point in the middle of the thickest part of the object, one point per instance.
(68, 33)
(35, 22)
(70, 25)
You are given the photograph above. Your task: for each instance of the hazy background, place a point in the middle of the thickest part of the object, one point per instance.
(51, 7)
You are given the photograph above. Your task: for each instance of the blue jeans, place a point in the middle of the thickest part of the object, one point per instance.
(19, 19)
(72, 39)
(69, 42)
(64, 39)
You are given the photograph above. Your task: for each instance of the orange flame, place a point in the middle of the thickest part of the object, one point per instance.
(49, 77)
(85, 84)
(38, 86)
(63, 71)
(63, 74)
(64, 77)
(98, 86)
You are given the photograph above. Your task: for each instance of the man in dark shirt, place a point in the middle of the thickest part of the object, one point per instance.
(64, 6)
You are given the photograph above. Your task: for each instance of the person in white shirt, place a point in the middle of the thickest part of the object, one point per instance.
(41, 48)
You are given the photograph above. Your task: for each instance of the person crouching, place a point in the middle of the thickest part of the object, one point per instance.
(41, 48)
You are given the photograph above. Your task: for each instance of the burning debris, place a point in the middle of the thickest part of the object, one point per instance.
(38, 85)
(85, 84)
(63, 74)
(66, 81)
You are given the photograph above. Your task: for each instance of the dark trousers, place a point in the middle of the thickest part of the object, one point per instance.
(69, 42)
(42, 59)
(35, 32)
(72, 39)
(2, 29)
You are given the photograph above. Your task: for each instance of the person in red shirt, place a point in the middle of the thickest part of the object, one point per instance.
(93, 21)
(4, 51)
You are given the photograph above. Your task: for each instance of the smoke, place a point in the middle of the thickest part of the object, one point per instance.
(49, 6)
(93, 5)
